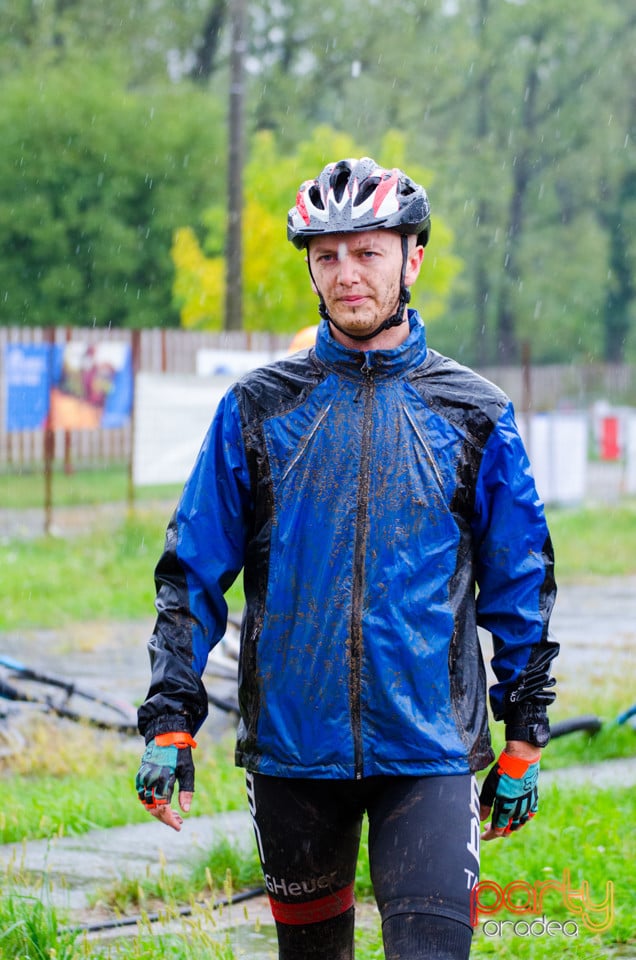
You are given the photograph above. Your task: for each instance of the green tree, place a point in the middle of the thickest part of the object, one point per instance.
(93, 181)
(523, 110)
(523, 171)
(147, 41)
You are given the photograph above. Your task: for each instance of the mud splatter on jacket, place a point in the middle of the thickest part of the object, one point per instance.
(382, 507)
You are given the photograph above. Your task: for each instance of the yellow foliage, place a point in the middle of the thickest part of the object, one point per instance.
(199, 285)
(277, 294)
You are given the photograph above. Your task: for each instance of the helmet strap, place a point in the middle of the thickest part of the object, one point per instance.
(393, 321)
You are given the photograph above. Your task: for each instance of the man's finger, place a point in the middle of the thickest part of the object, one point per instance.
(493, 833)
(185, 799)
(168, 816)
(484, 812)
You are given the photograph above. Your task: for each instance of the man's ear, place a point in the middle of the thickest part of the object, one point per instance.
(413, 264)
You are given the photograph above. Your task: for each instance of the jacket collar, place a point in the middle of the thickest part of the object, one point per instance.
(358, 364)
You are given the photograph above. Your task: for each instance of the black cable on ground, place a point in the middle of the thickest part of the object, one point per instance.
(165, 916)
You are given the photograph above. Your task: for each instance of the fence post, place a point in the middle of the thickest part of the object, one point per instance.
(49, 438)
(135, 356)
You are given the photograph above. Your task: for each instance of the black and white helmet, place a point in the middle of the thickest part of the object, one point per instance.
(354, 195)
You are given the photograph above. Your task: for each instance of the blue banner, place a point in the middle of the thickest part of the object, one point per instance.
(28, 384)
(78, 386)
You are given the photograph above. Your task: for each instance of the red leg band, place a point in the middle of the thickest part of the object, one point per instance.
(314, 911)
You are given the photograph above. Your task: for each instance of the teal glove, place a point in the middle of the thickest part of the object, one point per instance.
(166, 759)
(511, 790)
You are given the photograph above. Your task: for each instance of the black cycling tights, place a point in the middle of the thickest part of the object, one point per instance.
(423, 850)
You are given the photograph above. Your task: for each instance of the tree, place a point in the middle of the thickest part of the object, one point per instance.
(93, 181)
(616, 207)
(522, 143)
(523, 110)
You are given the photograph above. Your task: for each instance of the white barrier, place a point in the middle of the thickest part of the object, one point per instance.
(232, 362)
(557, 444)
(172, 415)
(630, 456)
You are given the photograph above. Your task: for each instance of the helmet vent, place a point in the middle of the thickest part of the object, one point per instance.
(315, 197)
(365, 191)
(339, 182)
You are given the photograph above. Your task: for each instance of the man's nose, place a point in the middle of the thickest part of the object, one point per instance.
(347, 269)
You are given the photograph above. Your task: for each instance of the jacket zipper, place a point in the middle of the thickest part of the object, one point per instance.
(359, 557)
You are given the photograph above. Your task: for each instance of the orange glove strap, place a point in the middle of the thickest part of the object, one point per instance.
(515, 767)
(177, 739)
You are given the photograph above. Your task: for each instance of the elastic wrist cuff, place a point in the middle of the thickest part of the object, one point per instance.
(179, 738)
(515, 767)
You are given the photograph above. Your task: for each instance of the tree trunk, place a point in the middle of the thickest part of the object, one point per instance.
(507, 342)
(621, 288)
(234, 243)
(481, 279)
(209, 44)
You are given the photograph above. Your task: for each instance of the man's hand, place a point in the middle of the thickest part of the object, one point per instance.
(166, 759)
(510, 790)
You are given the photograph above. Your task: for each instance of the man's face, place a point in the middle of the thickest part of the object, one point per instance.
(358, 275)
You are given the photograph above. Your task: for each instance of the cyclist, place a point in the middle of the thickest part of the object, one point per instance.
(378, 498)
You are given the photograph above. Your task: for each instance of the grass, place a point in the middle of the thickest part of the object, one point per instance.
(25, 489)
(594, 542)
(71, 779)
(57, 785)
(45, 581)
(224, 868)
(578, 842)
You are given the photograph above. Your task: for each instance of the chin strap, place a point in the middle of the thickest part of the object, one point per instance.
(393, 321)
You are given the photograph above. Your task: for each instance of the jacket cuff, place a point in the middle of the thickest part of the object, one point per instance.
(172, 723)
(525, 714)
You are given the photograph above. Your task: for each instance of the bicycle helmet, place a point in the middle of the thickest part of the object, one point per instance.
(354, 195)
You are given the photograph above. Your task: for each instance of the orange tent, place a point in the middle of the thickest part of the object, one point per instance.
(304, 339)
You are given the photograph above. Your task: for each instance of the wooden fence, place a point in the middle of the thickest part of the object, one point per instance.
(175, 351)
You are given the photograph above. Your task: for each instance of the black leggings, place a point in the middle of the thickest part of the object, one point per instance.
(423, 851)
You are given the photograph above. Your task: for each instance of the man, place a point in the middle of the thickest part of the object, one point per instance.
(379, 501)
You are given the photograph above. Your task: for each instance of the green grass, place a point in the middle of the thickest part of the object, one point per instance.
(72, 779)
(594, 542)
(57, 786)
(220, 871)
(25, 489)
(106, 574)
(29, 928)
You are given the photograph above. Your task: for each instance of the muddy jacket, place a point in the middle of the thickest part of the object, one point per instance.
(381, 506)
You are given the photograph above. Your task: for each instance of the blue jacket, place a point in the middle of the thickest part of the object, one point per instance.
(381, 506)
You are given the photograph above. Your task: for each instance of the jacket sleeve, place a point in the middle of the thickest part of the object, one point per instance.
(515, 577)
(203, 554)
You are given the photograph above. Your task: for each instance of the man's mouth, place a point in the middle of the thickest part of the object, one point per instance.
(352, 301)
